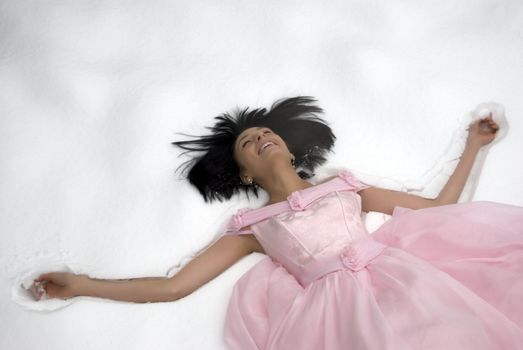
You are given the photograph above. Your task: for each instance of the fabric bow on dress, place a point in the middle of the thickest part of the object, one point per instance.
(296, 201)
(358, 254)
(237, 221)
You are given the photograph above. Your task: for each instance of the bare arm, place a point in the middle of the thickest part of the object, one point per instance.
(206, 266)
(384, 201)
(219, 257)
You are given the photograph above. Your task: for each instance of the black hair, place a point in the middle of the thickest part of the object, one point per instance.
(215, 173)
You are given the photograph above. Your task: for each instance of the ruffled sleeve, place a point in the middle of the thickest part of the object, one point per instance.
(355, 183)
(237, 223)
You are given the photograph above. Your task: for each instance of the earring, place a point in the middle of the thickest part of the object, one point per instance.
(252, 183)
(293, 162)
(249, 181)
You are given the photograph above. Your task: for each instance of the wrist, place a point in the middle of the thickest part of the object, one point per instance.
(473, 145)
(82, 285)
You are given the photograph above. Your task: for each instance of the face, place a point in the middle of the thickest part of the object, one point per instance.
(258, 149)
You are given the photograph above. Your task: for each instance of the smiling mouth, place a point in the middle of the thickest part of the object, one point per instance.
(270, 144)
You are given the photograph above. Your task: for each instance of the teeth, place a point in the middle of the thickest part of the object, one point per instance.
(265, 146)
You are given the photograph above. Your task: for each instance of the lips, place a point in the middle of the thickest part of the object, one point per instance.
(265, 145)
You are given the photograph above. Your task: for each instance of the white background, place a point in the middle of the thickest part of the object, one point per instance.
(93, 92)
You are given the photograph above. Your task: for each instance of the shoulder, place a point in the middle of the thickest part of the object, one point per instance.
(343, 174)
(328, 179)
(246, 235)
(247, 216)
(348, 180)
(355, 183)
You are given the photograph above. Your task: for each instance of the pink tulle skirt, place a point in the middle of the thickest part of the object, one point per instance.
(451, 277)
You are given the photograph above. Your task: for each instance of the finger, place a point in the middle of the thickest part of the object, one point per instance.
(489, 117)
(493, 125)
(37, 290)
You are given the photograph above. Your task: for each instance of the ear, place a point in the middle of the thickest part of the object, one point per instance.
(242, 172)
(243, 177)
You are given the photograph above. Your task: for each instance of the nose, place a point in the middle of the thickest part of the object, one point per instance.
(260, 134)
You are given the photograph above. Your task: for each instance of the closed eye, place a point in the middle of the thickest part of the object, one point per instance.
(265, 132)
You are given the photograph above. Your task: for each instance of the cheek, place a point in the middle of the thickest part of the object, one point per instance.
(242, 160)
(237, 160)
(247, 160)
(283, 145)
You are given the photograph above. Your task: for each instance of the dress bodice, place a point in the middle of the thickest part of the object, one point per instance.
(313, 227)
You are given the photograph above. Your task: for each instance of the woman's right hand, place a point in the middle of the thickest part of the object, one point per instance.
(62, 285)
(482, 132)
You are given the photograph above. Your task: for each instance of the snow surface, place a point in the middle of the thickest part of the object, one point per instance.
(93, 92)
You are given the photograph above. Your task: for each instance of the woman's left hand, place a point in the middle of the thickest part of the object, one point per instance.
(62, 285)
(482, 132)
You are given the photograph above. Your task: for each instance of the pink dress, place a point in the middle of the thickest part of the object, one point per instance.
(447, 277)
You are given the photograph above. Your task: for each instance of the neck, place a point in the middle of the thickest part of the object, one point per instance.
(280, 183)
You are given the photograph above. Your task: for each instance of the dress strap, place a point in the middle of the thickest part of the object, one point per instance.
(297, 201)
(241, 232)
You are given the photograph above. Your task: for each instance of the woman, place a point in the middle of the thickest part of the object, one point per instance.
(436, 275)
